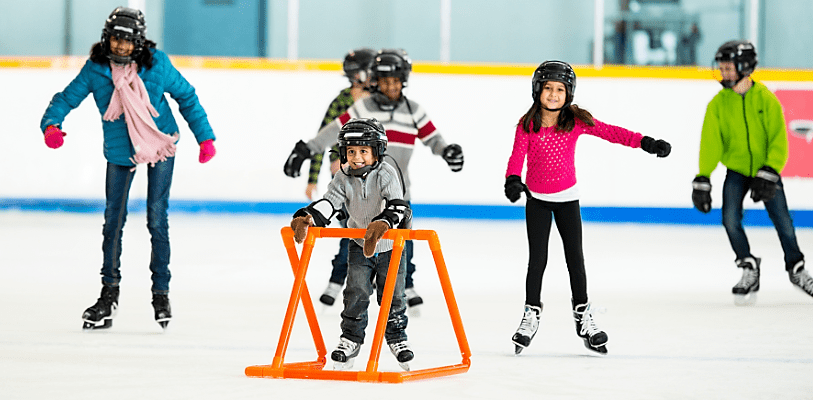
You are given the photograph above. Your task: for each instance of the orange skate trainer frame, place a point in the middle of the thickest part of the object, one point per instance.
(315, 369)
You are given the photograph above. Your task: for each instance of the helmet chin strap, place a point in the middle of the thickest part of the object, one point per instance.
(554, 109)
(363, 171)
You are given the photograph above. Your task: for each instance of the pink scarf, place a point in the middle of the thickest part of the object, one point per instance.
(131, 99)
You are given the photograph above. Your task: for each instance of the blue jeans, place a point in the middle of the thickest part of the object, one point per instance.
(359, 288)
(735, 188)
(117, 189)
(339, 271)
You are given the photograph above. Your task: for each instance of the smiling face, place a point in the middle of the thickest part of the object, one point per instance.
(360, 156)
(554, 95)
(391, 87)
(121, 47)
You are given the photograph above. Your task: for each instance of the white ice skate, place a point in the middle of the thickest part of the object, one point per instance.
(344, 355)
(800, 278)
(527, 328)
(745, 291)
(594, 338)
(414, 301)
(403, 353)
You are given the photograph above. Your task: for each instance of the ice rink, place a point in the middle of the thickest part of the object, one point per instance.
(663, 293)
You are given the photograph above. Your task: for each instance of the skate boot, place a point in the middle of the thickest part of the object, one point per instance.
(800, 278)
(345, 353)
(413, 301)
(745, 291)
(163, 312)
(594, 338)
(527, 328)
(403, 353)
(100, 315)
(331, 292)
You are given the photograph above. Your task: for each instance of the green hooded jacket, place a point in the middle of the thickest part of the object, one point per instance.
(744, 133)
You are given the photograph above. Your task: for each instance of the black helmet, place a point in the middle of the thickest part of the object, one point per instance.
(358, 62)
(362, 132)
(392, 62)
(558, 71)
(740, 52)
(128, 24)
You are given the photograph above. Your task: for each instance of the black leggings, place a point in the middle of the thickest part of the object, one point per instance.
(538, 217)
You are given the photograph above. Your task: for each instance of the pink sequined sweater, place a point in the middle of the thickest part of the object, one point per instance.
(552, 155)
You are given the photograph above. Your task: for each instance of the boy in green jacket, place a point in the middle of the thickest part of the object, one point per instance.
(745, 130)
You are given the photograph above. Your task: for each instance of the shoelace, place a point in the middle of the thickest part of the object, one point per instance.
(398, 347)
(347, 346)
(529, 323)
(804, 281)
(588, 324)
(749, 277)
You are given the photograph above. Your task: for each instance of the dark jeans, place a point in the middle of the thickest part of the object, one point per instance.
(117, 189)
(339, 271)
(360, 287)
(735, 188)
(539, 215)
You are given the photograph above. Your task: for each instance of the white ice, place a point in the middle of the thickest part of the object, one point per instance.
(664, 292)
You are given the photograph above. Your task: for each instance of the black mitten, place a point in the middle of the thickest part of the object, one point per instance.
(299, 154)
(659, 147)
(514, 188)
(763, 187)
(453, 155)
(701, 194)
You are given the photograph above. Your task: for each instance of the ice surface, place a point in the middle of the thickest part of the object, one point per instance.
(664, 292)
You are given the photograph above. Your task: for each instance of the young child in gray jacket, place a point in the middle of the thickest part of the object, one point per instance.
(373, 194)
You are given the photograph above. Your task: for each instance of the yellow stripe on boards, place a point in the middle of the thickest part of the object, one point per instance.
(582, 71)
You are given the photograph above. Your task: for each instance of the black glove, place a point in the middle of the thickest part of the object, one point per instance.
(514, 188)
(453, 155)
(293, 164)
(763, 187)
(701, 194)
(659, 147)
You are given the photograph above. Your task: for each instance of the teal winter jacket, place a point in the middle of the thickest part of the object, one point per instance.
(161, 78)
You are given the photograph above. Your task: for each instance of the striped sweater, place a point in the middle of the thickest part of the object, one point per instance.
(364, 198)
(337, 107)
(404, 125)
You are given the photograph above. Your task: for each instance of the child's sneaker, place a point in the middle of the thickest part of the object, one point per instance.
(331, 292)
(345, 353)
(403, 353)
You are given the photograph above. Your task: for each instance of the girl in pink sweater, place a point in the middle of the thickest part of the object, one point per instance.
(546, 135)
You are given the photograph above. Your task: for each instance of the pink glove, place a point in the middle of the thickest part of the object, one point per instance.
(207, 151)
(53, 137)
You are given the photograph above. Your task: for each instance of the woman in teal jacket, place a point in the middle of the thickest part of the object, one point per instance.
(127, 75)
(744, 128)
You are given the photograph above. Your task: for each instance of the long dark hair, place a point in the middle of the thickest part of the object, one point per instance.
(565, 123)
(98, 54)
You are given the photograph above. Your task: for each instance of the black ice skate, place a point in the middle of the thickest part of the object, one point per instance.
(345, 354)
(527, 328)
(745, 291)
(100, 315)
(594, 338)
(413, 301)
(403, 353)
(800, 278)
(163, 312)
(331, 292)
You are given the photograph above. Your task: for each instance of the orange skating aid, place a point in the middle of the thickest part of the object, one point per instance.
(315, 369)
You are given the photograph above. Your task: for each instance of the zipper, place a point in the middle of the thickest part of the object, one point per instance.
(748, 138)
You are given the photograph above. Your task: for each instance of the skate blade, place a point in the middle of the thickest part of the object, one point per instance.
(744, 300)
(414, 311)
(163, 323)
(91, 325)
(343, 366)
(518, 349)
(598, 349)
(404, 366)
